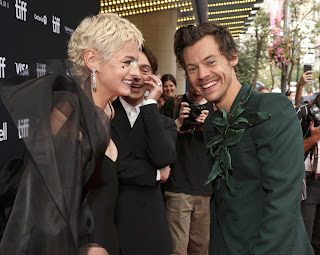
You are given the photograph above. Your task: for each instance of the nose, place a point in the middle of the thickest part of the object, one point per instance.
(203, 72)
(135, 72)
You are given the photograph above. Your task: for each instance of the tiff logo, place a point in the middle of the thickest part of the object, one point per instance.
(23, 128)
(41, 69)
(22, 69)
(21, 10)
(56, 24)
(2, 66)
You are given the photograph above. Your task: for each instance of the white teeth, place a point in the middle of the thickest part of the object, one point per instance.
(209, 85)
(127, 82)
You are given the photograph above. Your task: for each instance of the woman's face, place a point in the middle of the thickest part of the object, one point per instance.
(169, 89)
(115, 76)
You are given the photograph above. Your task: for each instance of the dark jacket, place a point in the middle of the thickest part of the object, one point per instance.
(261, 214)
(147, 146)
(190, 171)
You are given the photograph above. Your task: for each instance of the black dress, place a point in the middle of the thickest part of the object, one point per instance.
(102, 199)
(44, 198)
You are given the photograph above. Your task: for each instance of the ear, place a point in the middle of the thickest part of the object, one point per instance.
(90, 57)
(234, 62)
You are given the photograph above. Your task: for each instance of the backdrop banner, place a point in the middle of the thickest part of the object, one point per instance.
(33, 31)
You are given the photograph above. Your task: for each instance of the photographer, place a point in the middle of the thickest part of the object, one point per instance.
(309, 116)
(187, 199)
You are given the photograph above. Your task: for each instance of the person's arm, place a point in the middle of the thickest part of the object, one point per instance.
(279, 144)
(314, 137)
(160, 135)
(306, 77)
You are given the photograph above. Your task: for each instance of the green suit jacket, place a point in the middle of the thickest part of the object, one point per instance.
(261, 216)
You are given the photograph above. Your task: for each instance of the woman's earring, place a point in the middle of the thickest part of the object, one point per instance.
(94, 80)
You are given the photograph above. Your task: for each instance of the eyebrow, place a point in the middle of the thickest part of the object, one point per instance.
(210, 56)
(206, 58)
(130, 57)
(146, 66)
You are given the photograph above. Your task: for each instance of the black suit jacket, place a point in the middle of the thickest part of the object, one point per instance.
(147, 146)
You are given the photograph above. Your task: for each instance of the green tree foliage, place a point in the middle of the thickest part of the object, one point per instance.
(301, 28)
(251, 53)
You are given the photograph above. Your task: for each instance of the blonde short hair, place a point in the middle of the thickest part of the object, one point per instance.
(105, 33)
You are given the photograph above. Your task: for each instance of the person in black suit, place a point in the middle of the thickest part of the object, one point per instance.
(146, 145)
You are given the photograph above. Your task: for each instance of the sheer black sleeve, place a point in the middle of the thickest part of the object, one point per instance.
(65, 135)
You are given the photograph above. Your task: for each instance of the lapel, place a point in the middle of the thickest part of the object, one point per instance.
(220, 186)
(209, 132)
(120, 123)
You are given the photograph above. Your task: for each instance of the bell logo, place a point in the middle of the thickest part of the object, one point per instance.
(4, 132)
(21, 10)
(56, 24)
(41, 69)
(2, 66)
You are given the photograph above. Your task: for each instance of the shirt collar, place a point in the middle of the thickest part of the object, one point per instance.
(128, 107)
(244, 88)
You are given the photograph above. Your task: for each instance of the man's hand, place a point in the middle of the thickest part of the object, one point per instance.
(202, 117)
(164, 174)
(314, 137)
(155, 87)
(314, 131)
(306, 77)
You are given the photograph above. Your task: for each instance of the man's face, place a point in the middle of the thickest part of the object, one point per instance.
(208, 70)
(138, 87)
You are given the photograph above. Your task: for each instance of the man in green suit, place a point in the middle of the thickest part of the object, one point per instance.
(256, 152)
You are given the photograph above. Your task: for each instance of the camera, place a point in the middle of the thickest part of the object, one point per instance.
(194, 113)
(314, 112)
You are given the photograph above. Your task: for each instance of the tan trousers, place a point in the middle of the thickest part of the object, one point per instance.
(189, 223)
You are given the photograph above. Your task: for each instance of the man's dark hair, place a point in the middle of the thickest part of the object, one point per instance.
(151, 58)
(188, 36)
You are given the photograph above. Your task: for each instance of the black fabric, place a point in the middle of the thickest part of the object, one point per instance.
(191, 169)
(66, 137)
(140, 213)
(102, 199)
(311, 213)
(12, 150)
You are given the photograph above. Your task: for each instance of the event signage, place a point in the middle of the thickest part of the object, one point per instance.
(21, 10)
(36, 31)
(56, 25)
(2, 67)
(42, 19)
(4, 4)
